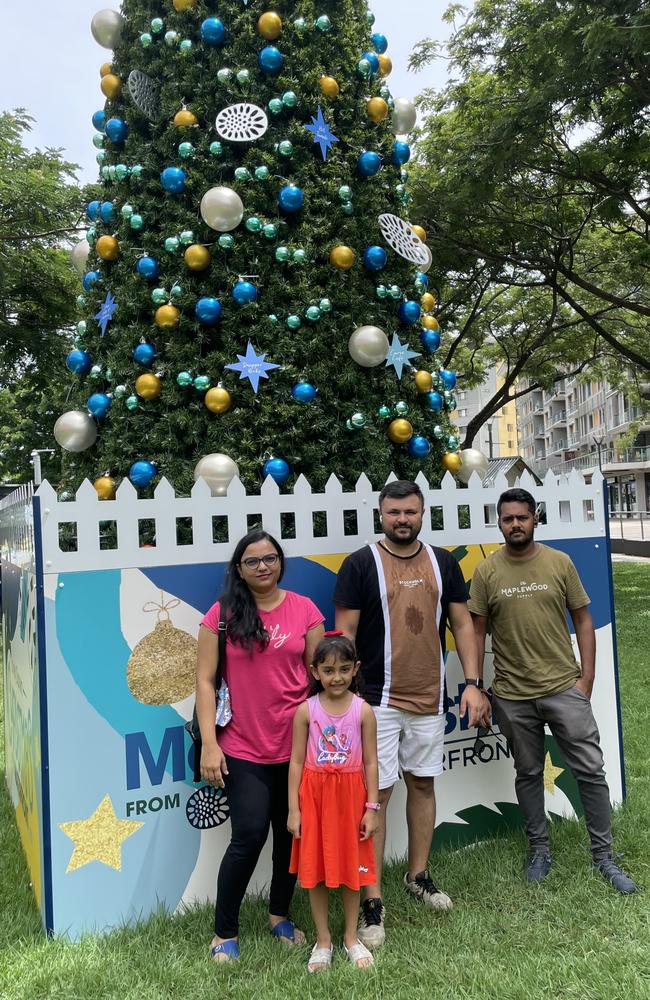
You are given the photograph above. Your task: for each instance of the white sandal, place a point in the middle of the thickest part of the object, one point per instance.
(358, 952)
(320, 958)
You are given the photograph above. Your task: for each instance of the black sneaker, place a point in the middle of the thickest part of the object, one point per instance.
(615, 875)
(423, 889)
(537, 866)
(371, 923)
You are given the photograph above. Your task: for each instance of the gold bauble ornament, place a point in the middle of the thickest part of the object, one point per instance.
(270, 25)
(184, 118)
(451, 461)
(329, 87)
(377, 109)
(162, 667)
(107, 248)
(105, 69)
(385, 64)
(400, 430)
(218, 400)
(148, 386)
(342, 257)
(111, 86)
(167, 317)
(428, 302)
(430, 323)
(423, 381)
(419, 231)
(181, 5)
(197, 257)
(105, 487)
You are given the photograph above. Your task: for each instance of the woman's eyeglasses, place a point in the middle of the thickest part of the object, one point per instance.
(253, 562)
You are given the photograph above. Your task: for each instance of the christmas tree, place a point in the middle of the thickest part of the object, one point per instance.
(255, 298)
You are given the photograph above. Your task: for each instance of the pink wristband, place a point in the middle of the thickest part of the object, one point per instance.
(373, 805)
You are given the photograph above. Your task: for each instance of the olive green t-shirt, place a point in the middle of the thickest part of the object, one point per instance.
(525, 603)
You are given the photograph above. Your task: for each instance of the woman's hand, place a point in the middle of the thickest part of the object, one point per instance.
(369, 824)
(213, 765)
(293, 823)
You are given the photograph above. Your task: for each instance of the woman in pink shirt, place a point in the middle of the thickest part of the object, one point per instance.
(271, 635)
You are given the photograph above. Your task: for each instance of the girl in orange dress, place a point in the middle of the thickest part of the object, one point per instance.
(333, 792)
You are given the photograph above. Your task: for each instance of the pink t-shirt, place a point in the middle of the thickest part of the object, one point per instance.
(266, 686)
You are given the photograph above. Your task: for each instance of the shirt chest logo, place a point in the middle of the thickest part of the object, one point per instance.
(524, 589)
(277, 638)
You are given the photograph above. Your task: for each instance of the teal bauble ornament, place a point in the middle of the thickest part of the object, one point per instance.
(400, 189)
(401, 408)
(403, 175)
(323, 24)
(289, 99)
(395, 292)
(80, 300)
(98, 140)
(95, 371)
(157, 25)
(111, 172)
(224, 74)
(185, 46)
(275, 106)
(285, 148)
(370, 18)
(226, 242)
(451, 403)
(272, 318)
(135, 170)
(384, 412)
(100, 157)
(243, 77)
(172, 243)
(91, 235)
(119, 391)
(184, 379)
(136, 221)
(242, 174)
(216, 149)
(81, 327)
(452, 442)
(358, 420)
(145, 39)
(282, 254)
(270, 231)
(185, 150)
(262, 173)
(201, 383)
(159, 295)
(345, 192)
(299, 256)
(253, 224)
(121, 172)
(438, 432)
(325, 305)
(364, 69)
(300, 25)
(186, 237)
(347, 208)
(381, 292)
(177, 291)
(105, 171)
(313, 313)
(131, 402)
(171, 38)
(294, 322)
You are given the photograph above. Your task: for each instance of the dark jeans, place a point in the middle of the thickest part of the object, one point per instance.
(258, 797)
(571, 721)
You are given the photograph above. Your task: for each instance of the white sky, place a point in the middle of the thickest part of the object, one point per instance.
(50, 64)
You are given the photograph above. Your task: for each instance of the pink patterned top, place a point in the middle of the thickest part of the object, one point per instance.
(334, 741)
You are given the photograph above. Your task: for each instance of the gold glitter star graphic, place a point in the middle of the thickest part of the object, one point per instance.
(99, 838)
(551, 773)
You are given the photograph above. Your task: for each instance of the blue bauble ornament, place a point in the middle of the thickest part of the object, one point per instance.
(433, 400)
(99, 405)
(213, 31)
(418, 446)
(173, 179)
(277, 469)
(270, 60)
(141, 473)
(290, 198)
(99, 120)
(369, 163)
(208, 310)
(374, 258)
(379, 42)
(422, 278)
(79, 362)
(401, 153)
(447, 378)
(244, 292)
(304, 392)
(147, 267)
(116, 129)
(92, 210)
(371, 57)
(409, 311)
(107, 212)
(144, 354)
(430, 340)
(89, 279)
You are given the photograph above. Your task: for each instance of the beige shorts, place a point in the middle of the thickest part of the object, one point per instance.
(408, 742)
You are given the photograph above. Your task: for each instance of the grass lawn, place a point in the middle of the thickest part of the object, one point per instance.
(572, 938)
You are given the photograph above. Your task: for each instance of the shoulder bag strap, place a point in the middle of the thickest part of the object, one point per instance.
(221, 646)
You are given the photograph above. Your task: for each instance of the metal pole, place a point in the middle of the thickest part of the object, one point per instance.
(35, 456)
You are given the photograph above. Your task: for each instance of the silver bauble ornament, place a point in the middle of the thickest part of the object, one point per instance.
(404, 116)
(472, 460)
(217, 470)
(222, 209)
(106, 27)
(75, 431)
(368, 346)
(79, 256)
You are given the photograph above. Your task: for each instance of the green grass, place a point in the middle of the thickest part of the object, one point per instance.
(572, 938)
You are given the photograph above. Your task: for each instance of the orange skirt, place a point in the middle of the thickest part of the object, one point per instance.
(330, 849)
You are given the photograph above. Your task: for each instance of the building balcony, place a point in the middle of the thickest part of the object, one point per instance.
(556, 419)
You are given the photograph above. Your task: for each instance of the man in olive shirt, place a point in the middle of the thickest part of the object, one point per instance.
(520, 595)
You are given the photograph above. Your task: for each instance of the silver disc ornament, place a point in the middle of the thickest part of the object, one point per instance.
(145, 94)
(399, 235)
(241, 123)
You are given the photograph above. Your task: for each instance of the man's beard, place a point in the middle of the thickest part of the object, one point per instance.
(520, 541)
(402, 539)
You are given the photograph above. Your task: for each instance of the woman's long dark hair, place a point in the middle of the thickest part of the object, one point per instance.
(244, 624)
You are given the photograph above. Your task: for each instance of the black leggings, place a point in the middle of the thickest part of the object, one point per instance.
(258, 797)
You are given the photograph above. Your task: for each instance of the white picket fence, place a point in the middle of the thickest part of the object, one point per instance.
(572, 507)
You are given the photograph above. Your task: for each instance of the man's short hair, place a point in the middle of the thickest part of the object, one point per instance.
(517, 496)
(399, 489)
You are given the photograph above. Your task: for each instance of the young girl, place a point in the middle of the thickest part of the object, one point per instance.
(333, 791)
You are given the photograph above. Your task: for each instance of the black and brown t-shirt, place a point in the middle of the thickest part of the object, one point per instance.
(401, 635)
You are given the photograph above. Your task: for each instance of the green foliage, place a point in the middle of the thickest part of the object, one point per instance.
(176, 429)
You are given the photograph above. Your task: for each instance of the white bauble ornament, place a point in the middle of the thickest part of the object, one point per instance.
(217, 470)
(472, 460)
(75, 431)
(222, 209)
(106, 27)
(79, 256)
(368, 346)
(404, 116)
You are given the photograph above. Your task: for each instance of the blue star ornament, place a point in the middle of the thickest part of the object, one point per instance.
(399, 355)
(252, 366)
(106, 312)
(322, 133)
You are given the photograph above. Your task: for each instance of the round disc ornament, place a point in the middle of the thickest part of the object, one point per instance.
(400, 236)
(241, 123)
(145, 94)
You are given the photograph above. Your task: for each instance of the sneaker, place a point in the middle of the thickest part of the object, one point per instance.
(537, 866)
(371, 923)
(423, 889)
(615, 875)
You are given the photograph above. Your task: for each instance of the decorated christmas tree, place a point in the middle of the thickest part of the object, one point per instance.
(255, 298)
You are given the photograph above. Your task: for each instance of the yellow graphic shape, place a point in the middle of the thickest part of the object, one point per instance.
(476, 554)
(99, 838)
(332, 562)
(551, 773)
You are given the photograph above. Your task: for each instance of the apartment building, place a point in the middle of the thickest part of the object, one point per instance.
(497, 438)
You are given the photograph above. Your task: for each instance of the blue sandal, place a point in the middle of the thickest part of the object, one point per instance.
(285, 929)
(228, 948)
